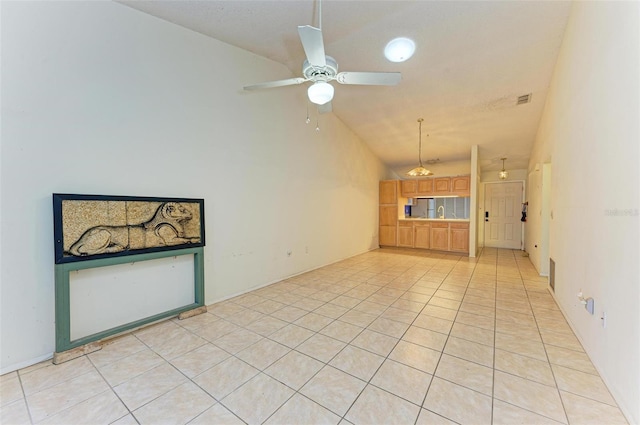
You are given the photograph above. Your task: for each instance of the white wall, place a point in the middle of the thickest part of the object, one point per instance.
(99, 98)
(590, 134)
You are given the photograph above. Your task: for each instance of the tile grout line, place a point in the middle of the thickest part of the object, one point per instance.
(495, 330)
(564, 410)
(113, 389)
(433, 376)
(24, 396)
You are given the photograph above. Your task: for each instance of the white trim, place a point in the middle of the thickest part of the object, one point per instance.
(26, 363)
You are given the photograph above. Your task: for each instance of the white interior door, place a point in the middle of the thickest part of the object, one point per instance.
(503, 207)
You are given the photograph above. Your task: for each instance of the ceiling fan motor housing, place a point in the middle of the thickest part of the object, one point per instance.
(326, 73)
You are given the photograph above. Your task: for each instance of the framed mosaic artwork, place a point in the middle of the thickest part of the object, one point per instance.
(88, 227)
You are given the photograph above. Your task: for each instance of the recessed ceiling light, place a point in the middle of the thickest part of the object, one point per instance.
(399, 49)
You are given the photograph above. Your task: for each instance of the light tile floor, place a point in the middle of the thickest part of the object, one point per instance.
(387, 337)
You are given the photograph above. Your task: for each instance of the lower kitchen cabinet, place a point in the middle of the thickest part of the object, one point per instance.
(459, 237)
(421, 235)
(387, 235)
(405, 234)
(433, 234)
(440, 236)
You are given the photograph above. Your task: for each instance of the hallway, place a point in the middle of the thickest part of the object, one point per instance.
(389, 336)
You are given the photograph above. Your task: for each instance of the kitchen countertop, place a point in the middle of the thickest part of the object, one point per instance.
(464, 220)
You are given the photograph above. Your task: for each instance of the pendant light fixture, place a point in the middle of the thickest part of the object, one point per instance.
(419, 171)
(503, 174)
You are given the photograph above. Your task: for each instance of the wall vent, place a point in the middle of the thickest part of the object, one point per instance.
(525, 98)
(552, 274)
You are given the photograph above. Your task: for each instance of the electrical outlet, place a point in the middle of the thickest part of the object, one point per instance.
(603, 317)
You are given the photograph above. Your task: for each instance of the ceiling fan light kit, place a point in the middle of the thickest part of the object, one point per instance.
(321, 69)
(399, 49)
(503, 174)
(320, 93)
(419, 171)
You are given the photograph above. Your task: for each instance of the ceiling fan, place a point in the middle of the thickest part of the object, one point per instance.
(321, 69)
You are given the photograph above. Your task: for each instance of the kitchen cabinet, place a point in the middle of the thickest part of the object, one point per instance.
(439, 236)
(461, 185)
(388, 213)
(439, 186)
(459, 235)
(442, 186)
(405, 234)
(387, 236)
(414, 188)
(421, 235)
(425, 187)
(388, 192)
(409, 188)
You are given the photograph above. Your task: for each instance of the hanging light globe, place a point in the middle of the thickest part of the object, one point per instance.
(503, 174)
(320, 92)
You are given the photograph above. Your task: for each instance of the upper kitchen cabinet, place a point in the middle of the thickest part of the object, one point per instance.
(409, 188)
(442, 186)
(388, 192)
(425, 187)
(415, 188)
(461, 185)
(434, 187)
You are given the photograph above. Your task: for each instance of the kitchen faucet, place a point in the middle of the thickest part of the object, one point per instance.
(441, 215)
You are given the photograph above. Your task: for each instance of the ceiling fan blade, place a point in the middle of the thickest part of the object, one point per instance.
(313, 45)
(323, 109)
(279, 83)
(369, 78)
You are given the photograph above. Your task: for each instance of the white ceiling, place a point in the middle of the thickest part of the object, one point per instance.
(473, 60)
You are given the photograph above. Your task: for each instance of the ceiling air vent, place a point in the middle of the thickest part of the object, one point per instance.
(526, 98)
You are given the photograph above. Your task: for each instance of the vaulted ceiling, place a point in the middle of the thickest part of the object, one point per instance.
(473, 60)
